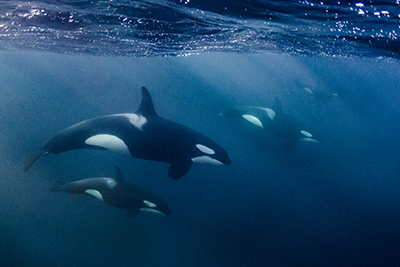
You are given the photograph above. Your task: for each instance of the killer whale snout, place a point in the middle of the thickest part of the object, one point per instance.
(213, 153)
(157, 207)
(224, 158)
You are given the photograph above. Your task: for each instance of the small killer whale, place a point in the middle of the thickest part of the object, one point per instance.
(274, 121)
(320, 93)
(142, 135)
(116, 192)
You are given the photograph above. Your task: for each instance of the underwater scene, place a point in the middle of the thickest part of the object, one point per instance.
(199, 133)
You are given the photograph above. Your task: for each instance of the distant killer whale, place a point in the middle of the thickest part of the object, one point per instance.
(116, 192)
(320, 93)
(274, 121)
(142, 135)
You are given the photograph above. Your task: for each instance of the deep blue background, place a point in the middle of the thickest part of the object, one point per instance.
(331, 204)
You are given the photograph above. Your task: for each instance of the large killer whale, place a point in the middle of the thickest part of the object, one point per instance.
(116, 192)
(143, 135)
(274, 121)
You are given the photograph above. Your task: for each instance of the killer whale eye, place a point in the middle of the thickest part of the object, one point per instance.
(149, 204)
(253, 120)
(205, 149)
(305, 133)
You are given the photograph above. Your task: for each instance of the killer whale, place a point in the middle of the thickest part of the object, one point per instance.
(116, 192)
(274, 121)
(143, 135)
(320, 93)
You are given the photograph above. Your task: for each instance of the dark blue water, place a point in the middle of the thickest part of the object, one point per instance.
(331, 204)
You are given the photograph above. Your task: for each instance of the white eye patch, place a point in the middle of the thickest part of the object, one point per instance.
(149, 204)
(205, 149)
(253, 120)
(308, 90)
(305, 133)
(109, 142)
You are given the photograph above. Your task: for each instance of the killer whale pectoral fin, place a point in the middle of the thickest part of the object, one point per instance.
(146, 106)
(131, 213)
(32, 157)
(179, 168)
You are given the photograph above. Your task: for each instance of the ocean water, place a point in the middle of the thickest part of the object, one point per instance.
(335, 203)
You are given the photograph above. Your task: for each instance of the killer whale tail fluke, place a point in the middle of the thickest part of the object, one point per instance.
(146, 106)
(31, 158)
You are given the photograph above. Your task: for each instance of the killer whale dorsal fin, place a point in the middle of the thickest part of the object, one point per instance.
(277, 107)
(118, 174)
(146, 106)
